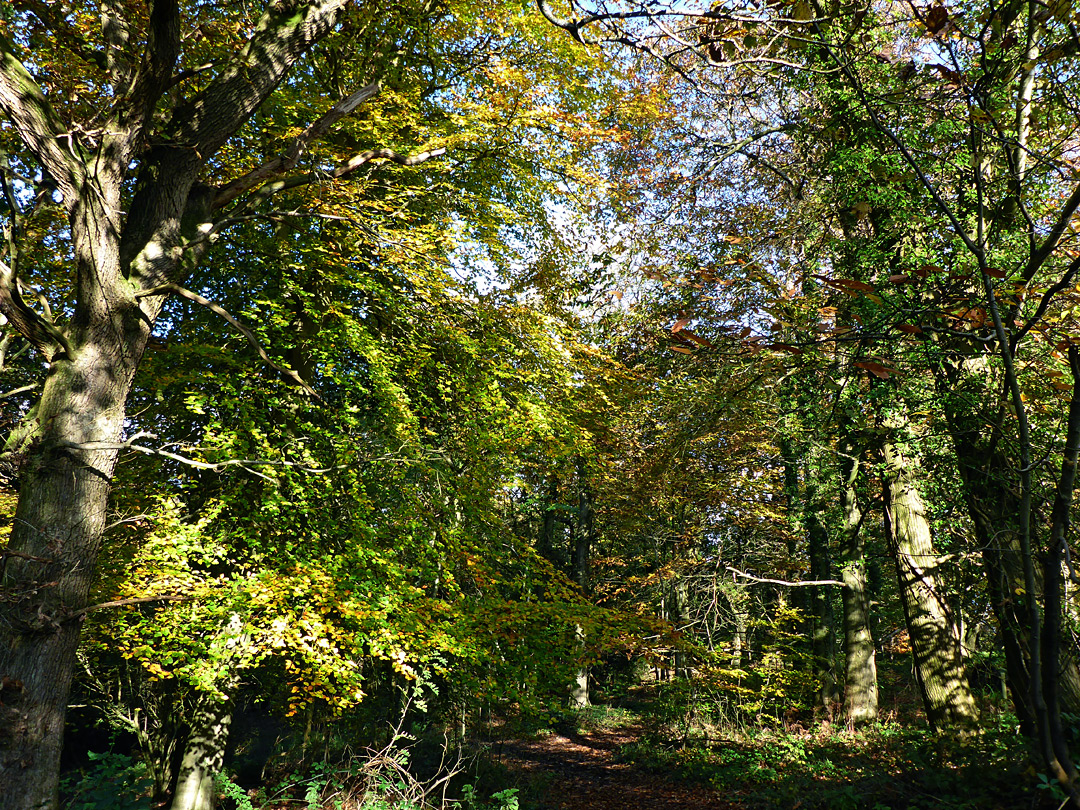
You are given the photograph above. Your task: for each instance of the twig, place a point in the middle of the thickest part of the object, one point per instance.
(5, 551)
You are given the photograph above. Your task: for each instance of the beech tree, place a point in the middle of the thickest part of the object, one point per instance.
(136, 121)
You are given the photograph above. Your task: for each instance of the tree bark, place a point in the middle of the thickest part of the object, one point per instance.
(204, 753)
(860, 663)
(583, 537)
(823, 638)
(935, 637)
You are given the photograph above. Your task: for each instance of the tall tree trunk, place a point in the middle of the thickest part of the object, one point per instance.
(134, 235)
(823, 636)
(738, 599)
(49, 568)
(583, 537)
(204, 753)
(860, 664)
(1056, 749)
(935, 637)
(994, 505)
(546, 542)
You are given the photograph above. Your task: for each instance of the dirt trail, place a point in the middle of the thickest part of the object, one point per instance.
(580, 773)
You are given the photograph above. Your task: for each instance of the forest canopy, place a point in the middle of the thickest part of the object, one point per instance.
(381, 378)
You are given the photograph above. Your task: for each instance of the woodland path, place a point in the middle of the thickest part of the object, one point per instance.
(580, 772)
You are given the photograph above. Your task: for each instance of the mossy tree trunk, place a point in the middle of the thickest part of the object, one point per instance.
(823, 638)
(935, 636)
(860, 662)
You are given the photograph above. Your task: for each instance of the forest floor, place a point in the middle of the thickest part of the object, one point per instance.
(584, 772)
(630, 763)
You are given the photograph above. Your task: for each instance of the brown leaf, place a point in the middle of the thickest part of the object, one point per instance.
(878, 370)
(852, 284)
(682, 350)
(698, 339)
(936, 19)
(785, 347)
(993, 273)
(909, 328)
(900, 279)
(679, 325)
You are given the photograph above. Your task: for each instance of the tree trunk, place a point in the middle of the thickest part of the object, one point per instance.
(54, 543)
(546, 542)
(823, 638)
(133, 235)
(935, 637)
(579, 692)
(1056, 752)
(993, 507)
(204, 754)
(860, 664)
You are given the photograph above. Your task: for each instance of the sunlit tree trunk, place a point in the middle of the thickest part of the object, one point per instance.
(935, 636)
(583, 537)
(204, 754)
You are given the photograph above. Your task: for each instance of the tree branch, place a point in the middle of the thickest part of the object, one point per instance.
(176, 289)
(243, 463)
(38, 124)
(42, 333)
(343, 169)
(287, 162)
(1057, 231)
(783, 582)
(155, 73)
(139, 600)
(283, 34)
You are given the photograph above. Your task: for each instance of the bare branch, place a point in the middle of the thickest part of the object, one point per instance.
(16, 391)
(342, 170)
(784, 582)
(244, 463)
(1057, 231)
(139, 600)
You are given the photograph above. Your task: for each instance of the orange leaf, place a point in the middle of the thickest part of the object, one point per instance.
(682, 350)
(679, 324)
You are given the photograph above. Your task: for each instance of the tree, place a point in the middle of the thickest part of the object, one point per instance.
(134, 144)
